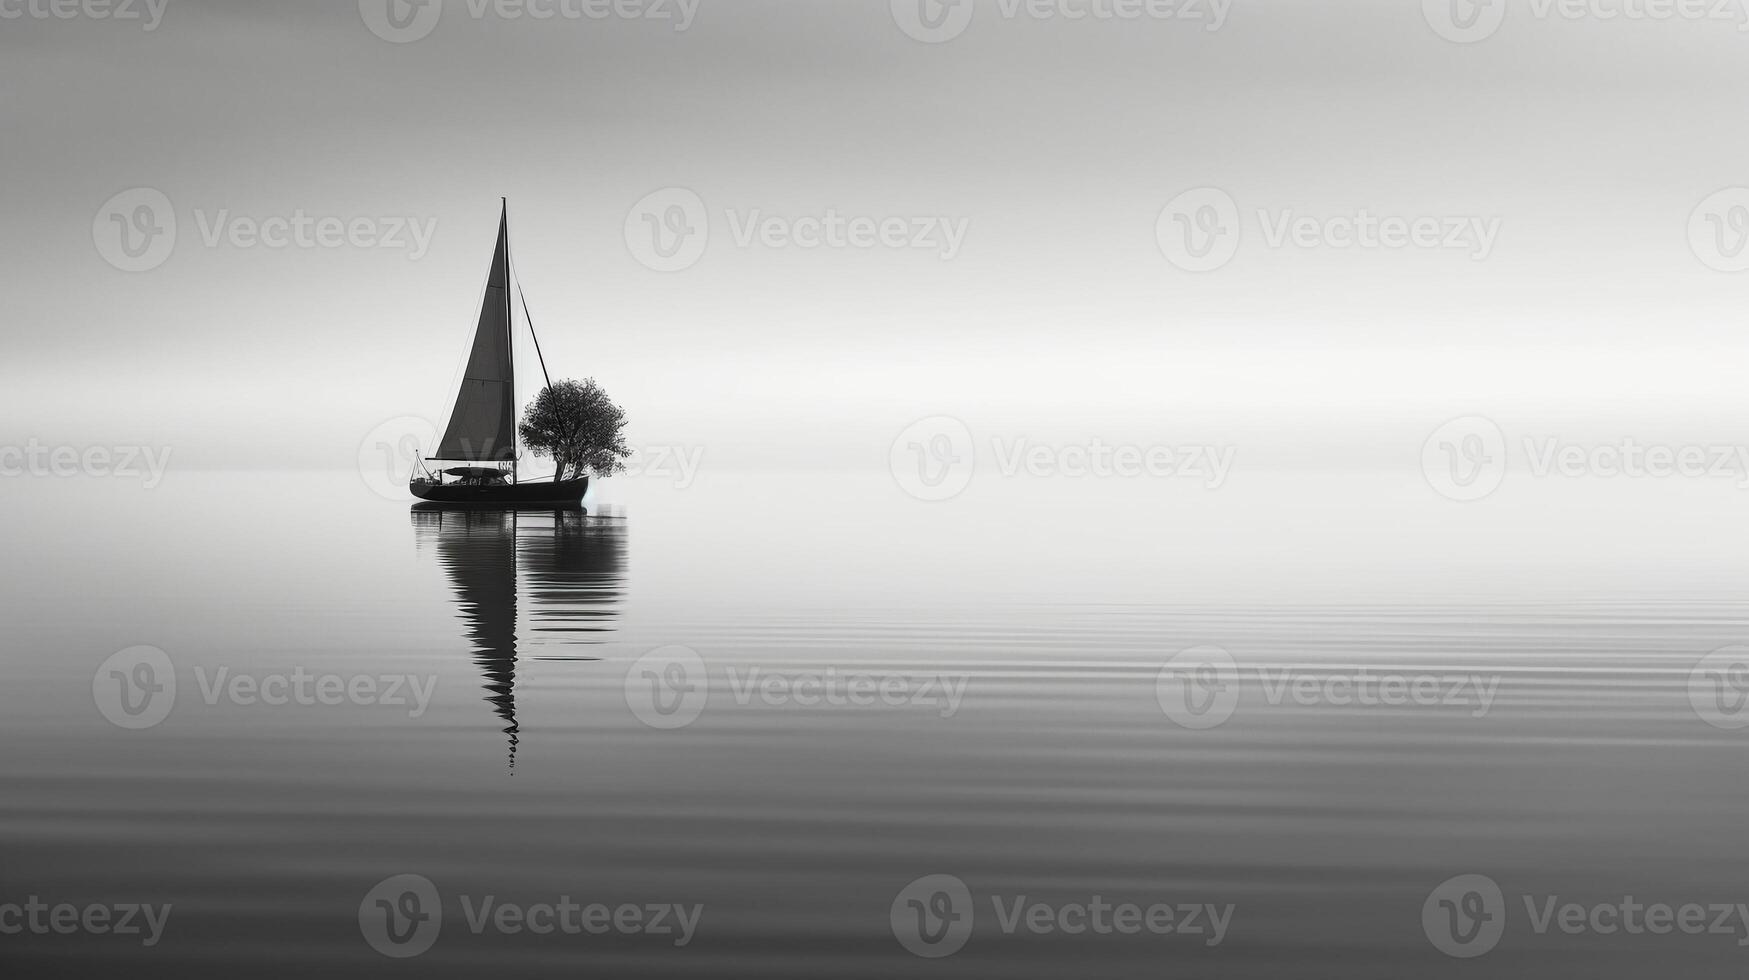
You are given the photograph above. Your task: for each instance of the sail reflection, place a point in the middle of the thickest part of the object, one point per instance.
(561, 571)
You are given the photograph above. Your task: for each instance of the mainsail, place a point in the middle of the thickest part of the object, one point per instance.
(483, 428)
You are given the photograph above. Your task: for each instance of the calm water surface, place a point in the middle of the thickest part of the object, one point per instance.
(1002, 655)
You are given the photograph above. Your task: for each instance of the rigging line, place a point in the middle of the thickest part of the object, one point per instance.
(536, 337)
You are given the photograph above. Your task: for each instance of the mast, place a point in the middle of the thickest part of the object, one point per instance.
(510, 340)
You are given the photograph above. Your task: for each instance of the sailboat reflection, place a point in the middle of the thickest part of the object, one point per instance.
(566, 567)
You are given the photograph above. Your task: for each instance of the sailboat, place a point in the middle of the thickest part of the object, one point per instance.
(479, 453)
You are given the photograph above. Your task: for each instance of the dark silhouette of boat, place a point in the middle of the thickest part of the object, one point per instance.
(481, 439)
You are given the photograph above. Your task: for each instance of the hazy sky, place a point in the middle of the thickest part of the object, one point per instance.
(1051, 144)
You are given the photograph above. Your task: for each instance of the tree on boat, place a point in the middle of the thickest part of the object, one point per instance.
(579, 427)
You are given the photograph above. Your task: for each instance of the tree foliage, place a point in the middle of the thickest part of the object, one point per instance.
(577, 425)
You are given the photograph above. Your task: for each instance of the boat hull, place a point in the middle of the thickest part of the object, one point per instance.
(567, 494)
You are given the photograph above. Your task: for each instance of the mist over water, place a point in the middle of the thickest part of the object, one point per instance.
(872, 691)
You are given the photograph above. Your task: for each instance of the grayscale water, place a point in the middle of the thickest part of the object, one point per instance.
(1059, 777)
